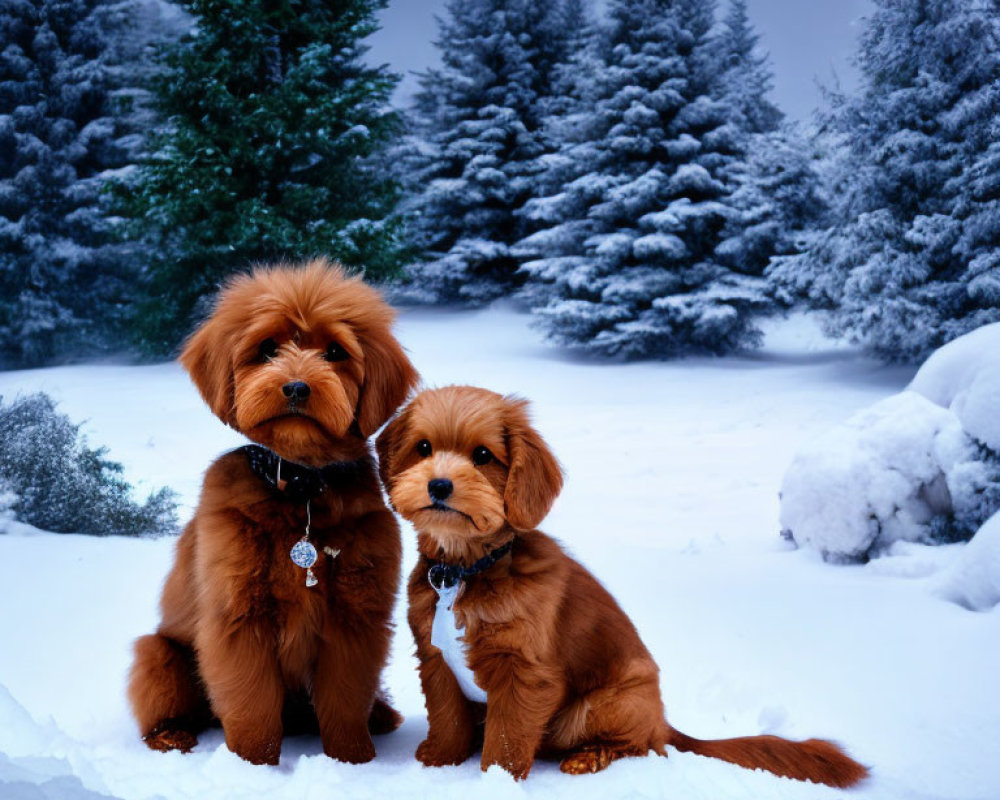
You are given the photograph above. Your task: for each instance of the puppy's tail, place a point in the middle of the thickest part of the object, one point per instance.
(814, 760)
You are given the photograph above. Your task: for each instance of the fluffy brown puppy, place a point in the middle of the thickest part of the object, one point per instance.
(520, 647)
(302, 361)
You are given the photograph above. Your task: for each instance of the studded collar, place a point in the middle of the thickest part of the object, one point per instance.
(297, 482)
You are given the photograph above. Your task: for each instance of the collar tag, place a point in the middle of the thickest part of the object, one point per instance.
(303, 552)
(445, 576)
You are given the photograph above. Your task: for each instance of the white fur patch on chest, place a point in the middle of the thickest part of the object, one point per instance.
(446, 636)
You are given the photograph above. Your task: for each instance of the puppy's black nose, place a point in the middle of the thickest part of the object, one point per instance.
(296, 390)
(440, 488)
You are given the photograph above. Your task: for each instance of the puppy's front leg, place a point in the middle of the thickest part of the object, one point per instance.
(355, 641)
(344, 687)
(241, 674)
(451, 728)
(522, 700)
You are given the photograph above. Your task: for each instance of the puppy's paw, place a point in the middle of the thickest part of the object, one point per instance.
(166, 739)
(593, 759)
(516, 766)
(356, 750)
(433, 754)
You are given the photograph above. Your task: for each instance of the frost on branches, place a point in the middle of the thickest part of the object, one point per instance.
(51, 479)
(472, 157)
(910, 260)
(626, 251)
(70, 117)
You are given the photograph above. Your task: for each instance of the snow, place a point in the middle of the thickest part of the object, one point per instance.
(964, 376)
(671, 500)
(878, 478)
(901, 469)
(973, 580)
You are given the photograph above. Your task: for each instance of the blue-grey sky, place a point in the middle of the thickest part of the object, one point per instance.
(809, 41)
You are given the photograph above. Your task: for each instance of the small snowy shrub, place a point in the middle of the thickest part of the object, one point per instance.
(54, 481)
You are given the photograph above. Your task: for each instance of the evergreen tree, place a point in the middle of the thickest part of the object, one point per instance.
(630, 243)
(746, 75)
(909, 262)
(66, 122)
(978, 187)
(776, 204)
(776, 195)
(271, 152)
(477, 140)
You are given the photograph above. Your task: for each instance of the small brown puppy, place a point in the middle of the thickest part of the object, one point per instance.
(520, 647)
(279, 600)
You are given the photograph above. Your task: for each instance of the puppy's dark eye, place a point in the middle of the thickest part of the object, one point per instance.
(334, 352)
(268, 350)
(481, 456)
(424, 448)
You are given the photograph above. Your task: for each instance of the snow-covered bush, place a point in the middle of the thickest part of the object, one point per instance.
(964, 376)
(973, 580)
(51, 479)
(921, 466)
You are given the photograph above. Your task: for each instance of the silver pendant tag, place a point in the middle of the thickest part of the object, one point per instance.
(303, 554)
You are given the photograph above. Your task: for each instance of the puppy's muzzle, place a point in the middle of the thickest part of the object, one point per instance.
(296, 392)
(440, 489)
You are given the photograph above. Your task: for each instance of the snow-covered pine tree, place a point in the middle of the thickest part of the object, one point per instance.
(776, 197)
(630, 242)
(776, 204)
(909, 263)
(477, 139)
(569, 129)
(978, 245)
(66, 122)
(275, 127)
(746, 74)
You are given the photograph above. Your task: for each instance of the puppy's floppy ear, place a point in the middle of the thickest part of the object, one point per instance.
(207, 356)
(389, 377)
(387, 446)
(535, 478)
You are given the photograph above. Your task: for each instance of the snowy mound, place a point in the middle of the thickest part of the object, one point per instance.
(920, 466)
(964, 376)
(973, 580)
(23, 775)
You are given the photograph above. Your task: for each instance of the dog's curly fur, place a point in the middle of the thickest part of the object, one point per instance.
(242, 639)
(563, 667)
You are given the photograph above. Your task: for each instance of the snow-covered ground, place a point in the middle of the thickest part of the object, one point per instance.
(671, 499)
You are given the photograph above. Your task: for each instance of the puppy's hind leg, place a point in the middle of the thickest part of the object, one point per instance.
(623, 720)
(383, 718)
(167, 700)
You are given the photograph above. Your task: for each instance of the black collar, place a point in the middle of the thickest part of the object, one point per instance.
(443, 575)
(299, 482)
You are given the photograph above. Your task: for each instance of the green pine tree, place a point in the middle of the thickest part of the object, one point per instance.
(275, 129)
